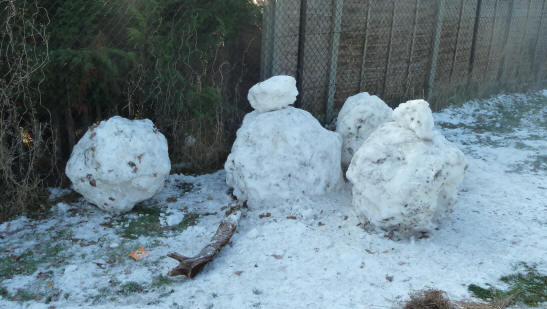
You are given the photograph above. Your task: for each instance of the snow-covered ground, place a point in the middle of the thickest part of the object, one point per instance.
(308, 254)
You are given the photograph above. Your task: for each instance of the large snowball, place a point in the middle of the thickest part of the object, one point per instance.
(119, 163)
(416, 116)
(403, 182)
(359, 117)
(282, 155)
(273, 94)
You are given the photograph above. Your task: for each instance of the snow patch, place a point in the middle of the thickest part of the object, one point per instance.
(119, 163)
(172, 219)
(359, 117)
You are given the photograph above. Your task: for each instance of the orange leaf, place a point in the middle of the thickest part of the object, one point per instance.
(138, 254)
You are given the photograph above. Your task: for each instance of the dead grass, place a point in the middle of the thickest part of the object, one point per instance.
(428, 299)
(436, 299)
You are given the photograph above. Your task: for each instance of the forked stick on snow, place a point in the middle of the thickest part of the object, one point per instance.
(191, 266)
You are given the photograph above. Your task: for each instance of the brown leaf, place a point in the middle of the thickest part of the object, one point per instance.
(239, 272)
(171, 199)
(277, 256)
(291, 217)
(93, 183)
(106, 224)
(42, 275)
(266, 215)
(389, 278)
(345, 218)
(131, 164)
(210, 198)
(111, 198)
(232, 210)
(369, 251)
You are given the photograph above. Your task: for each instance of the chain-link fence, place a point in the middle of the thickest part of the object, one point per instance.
(441, 50)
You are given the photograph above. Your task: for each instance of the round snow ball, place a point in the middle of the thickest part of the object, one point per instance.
(272, 94)
(404, 183)
(283, 155)
(416, 116)
(118, 163)
(358, 118)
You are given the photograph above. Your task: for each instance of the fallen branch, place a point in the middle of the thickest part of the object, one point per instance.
(191, 266)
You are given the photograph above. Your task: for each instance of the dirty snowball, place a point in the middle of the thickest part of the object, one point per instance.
(404, 176)
(358, 118)
(282, 155)
(118, 163)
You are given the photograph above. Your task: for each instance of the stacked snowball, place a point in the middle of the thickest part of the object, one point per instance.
(405, 175)
(118, 163)
(281, 153)
(359, 117)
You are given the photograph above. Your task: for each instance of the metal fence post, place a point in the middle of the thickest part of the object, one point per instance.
(338, 12)
(391, 29)
(458, 32)
(268, 40)
(536, 50)
(412, 43)
(474, 44)
(507, 36)
(365, 45)
(301, 46)
(435, 53)
(491, 37)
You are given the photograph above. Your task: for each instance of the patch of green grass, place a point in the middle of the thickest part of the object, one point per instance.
(31, 293)
(23, 264)
(161, 280)
(534, 163)
(130, 288)
(28, 262)
(526, 286)
(23, 295)
(145, 221)
(101, 296)
(165, 294)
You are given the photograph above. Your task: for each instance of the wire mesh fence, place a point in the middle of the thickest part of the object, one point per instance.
(441, 50)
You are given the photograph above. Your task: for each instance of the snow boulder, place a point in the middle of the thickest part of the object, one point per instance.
(273, 94)
(118, 163)
(282, 155)
(359, 117)
(402, 181)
